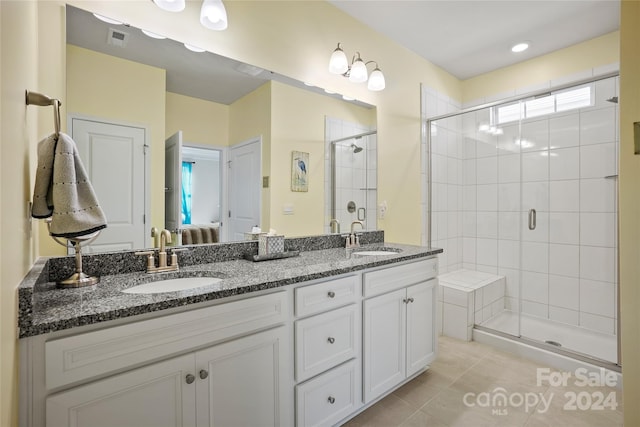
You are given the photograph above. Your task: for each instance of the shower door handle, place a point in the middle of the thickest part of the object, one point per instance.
(532, 219)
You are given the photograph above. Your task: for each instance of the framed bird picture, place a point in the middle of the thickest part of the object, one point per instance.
(299, 171)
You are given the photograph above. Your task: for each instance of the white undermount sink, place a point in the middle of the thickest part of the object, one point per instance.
(172, 285)
(375, 253)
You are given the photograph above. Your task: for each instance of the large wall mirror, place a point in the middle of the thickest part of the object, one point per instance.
(179, 139)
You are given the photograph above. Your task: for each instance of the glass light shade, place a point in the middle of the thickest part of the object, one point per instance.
(107, 20)
(338, 63)
(359, 72)
(213, 15)
(376, 80)
(170, 5)
(153, 35)
(193, 48)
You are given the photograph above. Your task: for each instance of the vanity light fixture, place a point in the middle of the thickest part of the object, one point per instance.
(357, 72)
(213, 15)
(170, 5)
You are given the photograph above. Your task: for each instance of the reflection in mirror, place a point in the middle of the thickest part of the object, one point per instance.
(119, 76)
(352, 168)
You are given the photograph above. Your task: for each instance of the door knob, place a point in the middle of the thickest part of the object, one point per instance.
(203, 374)
(190, 378)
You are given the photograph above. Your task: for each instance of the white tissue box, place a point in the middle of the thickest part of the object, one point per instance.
(268, 245)
(253, 236)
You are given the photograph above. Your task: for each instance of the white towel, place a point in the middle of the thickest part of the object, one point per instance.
(63, 192)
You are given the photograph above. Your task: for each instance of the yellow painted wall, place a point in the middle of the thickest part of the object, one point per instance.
(600, 51)
(250, 117)
(298, 124)
(111, 88)
(201, 122)
(630, 210)
(19, 68)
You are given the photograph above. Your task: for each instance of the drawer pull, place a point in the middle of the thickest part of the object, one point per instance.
(332, 400)
(203, 374)
(331, 340)
(331, 294)
(190, 379)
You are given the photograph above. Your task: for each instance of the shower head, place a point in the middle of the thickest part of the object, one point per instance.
(355, 148)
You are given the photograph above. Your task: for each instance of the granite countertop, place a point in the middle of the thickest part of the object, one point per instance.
(44, 309)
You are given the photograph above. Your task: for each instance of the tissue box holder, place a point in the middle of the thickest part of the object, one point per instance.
(268, 245)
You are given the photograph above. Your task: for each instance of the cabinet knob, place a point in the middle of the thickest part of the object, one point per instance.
(190, 379)
(203, 374)
(406, 301)
(331, 340)
(411, 299)
(331, 294)
(332, 400)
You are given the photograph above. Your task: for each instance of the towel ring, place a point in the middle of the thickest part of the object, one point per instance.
(35, 98)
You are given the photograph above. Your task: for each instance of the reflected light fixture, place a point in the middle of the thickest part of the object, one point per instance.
(357, 72)
(213, 15)
(193, 48)
(107, 20)
(170, 5)
(153, 35)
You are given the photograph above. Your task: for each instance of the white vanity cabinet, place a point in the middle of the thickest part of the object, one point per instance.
(241, 378)
(237, 383)
(399, 324)
(327, 351)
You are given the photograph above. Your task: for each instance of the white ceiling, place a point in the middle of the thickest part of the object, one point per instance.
(471, 37)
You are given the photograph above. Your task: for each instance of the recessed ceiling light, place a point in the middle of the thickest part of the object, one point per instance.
(348, 98)
(153, 35)
(107, 20)
(193, 48)
(520, 47)
(330, 92)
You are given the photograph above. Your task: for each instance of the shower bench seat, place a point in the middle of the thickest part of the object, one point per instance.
(468, 297)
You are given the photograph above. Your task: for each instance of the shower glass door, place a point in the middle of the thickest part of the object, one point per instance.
(568, 164)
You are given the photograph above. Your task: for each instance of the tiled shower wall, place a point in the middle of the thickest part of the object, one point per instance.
(569, 261)
(356, 174)
(447, 155)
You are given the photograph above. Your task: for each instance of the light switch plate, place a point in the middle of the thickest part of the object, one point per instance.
(287, 209)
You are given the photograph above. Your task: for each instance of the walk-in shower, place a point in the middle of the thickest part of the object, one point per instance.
(526, 189)
(353, 179)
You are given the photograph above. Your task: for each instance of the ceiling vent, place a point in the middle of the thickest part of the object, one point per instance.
(117, 38)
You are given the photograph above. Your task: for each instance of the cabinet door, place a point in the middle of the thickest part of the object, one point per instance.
(384, 343)
(420, 326)
(153, 396)
(245, 381)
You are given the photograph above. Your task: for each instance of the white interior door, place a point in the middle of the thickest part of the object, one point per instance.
(114, 157)
(173, 182)
(245, 172)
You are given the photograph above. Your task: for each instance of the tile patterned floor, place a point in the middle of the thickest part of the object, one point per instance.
(437, 397)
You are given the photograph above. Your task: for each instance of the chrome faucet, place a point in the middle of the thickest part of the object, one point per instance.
(335, 225)
(353, 241)
(163, 265)
(356, 222)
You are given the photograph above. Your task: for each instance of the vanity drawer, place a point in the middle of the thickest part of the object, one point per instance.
(326, 295)
(83, 356)
(328, 398)
(392, 278)
(326, 340)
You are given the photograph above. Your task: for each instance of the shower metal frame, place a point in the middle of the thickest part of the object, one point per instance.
(425, 133)
(333, 164)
